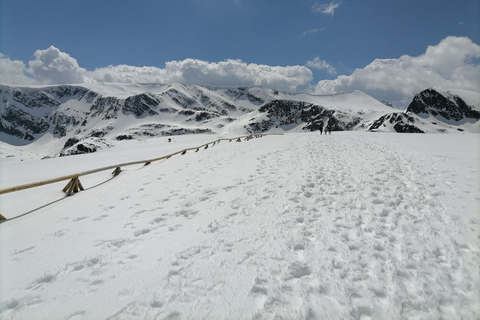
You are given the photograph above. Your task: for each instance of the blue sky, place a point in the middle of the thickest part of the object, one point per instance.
(330, 38)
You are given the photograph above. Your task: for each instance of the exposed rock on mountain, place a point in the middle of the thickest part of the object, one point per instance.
(85, 118)
(399, 122)
(434, 110)
(288, 113)
(448, 105)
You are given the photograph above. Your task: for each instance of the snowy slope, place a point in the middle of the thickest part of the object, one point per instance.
(345, 226)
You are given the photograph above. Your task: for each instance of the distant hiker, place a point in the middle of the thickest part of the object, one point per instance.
(169, 139)
(321, 130)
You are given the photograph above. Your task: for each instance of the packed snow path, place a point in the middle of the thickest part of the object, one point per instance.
(301, 226)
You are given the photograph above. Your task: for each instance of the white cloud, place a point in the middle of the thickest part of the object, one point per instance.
(311, 31)
(52, 66)
(451, 63)
(318, 64)
(127, 74)
(454, 62)
(225, 73)
(13, 72)
(326, 8)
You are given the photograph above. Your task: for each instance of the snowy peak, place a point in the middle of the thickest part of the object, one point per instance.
(133, 111)
(434, 110)
(447, 105)
(90, 116)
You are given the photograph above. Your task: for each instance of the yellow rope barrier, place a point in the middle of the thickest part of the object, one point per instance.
(74, 185)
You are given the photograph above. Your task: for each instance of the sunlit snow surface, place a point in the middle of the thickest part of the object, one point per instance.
(301, 226)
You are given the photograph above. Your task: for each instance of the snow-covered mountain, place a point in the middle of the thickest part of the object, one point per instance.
(84, 118)
(435, 110)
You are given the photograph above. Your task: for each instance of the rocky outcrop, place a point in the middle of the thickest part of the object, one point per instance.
(398, 121)
(434, 111)
(312, 117)
(450, 107)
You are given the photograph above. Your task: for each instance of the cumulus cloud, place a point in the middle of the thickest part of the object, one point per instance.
(236, 72)
(451, 63)
(13, 71)
(326, 8)
(225, 73)
(127, 74)
(454, 62)
(318, 64)
(52, 66)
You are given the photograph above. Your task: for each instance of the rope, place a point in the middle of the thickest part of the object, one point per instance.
(74, 185)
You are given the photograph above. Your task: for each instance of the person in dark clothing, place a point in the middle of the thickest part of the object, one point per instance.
(321, 130)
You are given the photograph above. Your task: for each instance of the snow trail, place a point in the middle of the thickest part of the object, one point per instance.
(299, 226)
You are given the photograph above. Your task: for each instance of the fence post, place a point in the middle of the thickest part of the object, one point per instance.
(117, 171)
(73, 186)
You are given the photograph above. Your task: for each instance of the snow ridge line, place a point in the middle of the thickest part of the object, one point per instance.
(74, 185)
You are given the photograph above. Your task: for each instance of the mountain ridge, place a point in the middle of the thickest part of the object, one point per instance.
(84, 118)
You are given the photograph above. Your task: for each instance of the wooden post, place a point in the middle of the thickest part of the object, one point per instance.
(117, 171)
(80, 185)
(68, 185)
(73, 186)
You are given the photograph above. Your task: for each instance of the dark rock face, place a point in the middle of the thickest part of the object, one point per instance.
(141, 105)
(283, 113)
(401, 122)
(80, 148)
(246, 93)
(124, 137)
(449, 108)
(432, 102)
(70, 142)
(84, 146)
(21, 124)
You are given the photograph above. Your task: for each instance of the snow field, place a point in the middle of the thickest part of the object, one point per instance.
(300, 226)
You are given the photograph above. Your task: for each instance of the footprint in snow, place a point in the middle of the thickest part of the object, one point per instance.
(300, 250)
(80, 219)
(299, 270)
(103, 216)
(95, 285)
(141, 232)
